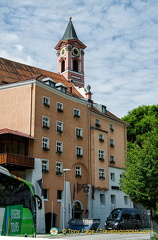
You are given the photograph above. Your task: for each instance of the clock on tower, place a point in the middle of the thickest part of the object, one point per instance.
(71, 56)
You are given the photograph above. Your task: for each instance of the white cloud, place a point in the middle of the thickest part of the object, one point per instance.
(121, 62)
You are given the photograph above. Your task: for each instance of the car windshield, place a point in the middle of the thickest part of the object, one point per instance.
(114, 215)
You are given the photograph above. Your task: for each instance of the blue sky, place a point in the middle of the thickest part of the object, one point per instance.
(121, 58)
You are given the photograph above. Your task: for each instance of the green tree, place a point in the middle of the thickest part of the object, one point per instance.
(140, 178)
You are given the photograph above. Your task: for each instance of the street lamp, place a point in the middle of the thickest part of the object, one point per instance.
(64, 200)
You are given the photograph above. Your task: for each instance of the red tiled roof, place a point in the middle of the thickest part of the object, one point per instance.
(109, 115)
(11, 71)
(10, 131)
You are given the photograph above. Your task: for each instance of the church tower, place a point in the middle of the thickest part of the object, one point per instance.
(70, 54)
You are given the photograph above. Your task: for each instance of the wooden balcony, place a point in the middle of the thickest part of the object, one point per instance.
(11, 160)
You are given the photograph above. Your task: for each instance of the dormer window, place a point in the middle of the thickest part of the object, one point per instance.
(49, 82)
(103, 109)
(61, 87)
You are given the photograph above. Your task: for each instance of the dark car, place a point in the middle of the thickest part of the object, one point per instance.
(124, 218)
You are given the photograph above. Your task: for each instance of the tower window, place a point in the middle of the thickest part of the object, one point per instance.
(75, 65)
(63, 66)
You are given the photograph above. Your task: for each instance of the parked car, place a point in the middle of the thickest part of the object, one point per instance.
(124, 218)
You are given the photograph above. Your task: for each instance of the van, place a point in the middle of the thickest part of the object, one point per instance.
(124, 218)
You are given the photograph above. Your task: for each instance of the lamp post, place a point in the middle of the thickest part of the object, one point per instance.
(64, 200)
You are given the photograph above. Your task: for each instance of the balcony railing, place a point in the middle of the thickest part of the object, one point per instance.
(12, 159)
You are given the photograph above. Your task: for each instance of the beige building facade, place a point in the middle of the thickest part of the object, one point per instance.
(69, 147)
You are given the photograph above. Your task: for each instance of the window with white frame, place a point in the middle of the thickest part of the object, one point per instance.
(97, 122)
(77, 113)
(79, 152)
(59, 147)
(79, 132)
(111, 142)
(46, 122)
(59, 126)
(126, 200)
(111, 127)
(101, 137)
(101, 155)
(113, 199)
(112, 159)
(46, 101)
(112, 175)
(101, 173)
(59, 107)
(59, 168)
(45, 143)
(78, 171)
(45, 165)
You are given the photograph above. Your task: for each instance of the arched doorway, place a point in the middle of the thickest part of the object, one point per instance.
(77, 210)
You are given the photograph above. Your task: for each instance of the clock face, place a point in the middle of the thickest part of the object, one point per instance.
(75, 51)
(63, 52)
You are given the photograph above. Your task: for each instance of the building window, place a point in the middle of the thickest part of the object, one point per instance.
(111, 127)
(59, 168)
(46, 122)
(59, 147)
(103, 109)
(59, 126)
(45, 143)
(45, 165)
(126, 200)
(63, 66)
(59, 194)
(102, 200)
(111, 142)
(75, 65)
(101, 155)
(79, 152)
(45, 194)
(113, 199)
(79, 132)
(112, 159)
(78, 171)
(46, 101)
(121, 175)
(101, 173)
(76, 113)
(112, 175)
(97, 123)
(101, 137)
(59, 107)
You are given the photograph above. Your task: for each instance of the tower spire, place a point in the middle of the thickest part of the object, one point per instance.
(70, 32)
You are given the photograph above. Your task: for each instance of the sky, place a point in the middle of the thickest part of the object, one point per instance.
(121, 58)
